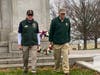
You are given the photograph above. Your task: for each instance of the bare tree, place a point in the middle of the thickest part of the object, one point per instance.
(53, 12)
(84, 16)
(54, 9)
(96, 21)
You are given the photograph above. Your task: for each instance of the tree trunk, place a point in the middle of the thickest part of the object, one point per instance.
(85, 35)
(95, 40)
(85, 44)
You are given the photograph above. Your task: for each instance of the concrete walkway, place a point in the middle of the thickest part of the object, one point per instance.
(94, 65)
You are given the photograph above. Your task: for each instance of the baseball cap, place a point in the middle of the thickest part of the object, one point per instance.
(29, 12)
(62, 10)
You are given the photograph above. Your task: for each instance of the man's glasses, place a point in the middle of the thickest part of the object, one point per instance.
(30, 14)
(62, 13)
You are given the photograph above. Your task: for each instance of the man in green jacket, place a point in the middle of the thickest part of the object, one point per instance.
(28, 34)
(59, 37)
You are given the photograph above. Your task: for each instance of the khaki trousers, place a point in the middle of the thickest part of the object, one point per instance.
(61, 50)
(33, 52)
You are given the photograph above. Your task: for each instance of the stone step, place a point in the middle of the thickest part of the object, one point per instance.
(13, 59)
(45, 60)
(20, 65)
(10, 55)
(18, 55)
(42, 62)
(20, 60)
(72, 54)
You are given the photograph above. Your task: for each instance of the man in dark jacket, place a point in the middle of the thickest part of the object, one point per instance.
(59, 37)
(28, 40)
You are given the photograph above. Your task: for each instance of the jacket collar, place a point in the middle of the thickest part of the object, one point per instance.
(29, 21)
(61, 20)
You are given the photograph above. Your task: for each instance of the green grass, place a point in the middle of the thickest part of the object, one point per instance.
(48, 71)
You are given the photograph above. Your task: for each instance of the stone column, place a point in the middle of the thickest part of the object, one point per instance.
(45, 14)
(0, 20)
(5, 19)
(41, 11)
(5, 24)
(0, 14)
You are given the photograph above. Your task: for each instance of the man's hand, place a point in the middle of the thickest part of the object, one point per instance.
(51, 45)
(20, 47)
(38, 46)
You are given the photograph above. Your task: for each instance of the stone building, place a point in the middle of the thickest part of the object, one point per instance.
(12, 12)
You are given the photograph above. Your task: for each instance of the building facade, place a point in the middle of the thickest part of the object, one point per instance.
(14, 11)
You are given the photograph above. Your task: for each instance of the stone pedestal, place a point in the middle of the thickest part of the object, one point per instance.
(13, 45)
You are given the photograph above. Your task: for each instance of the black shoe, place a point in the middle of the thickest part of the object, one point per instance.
(33, 72)
(25, 71)
(66, 74)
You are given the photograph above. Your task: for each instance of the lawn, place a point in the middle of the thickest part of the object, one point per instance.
(47, 71)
